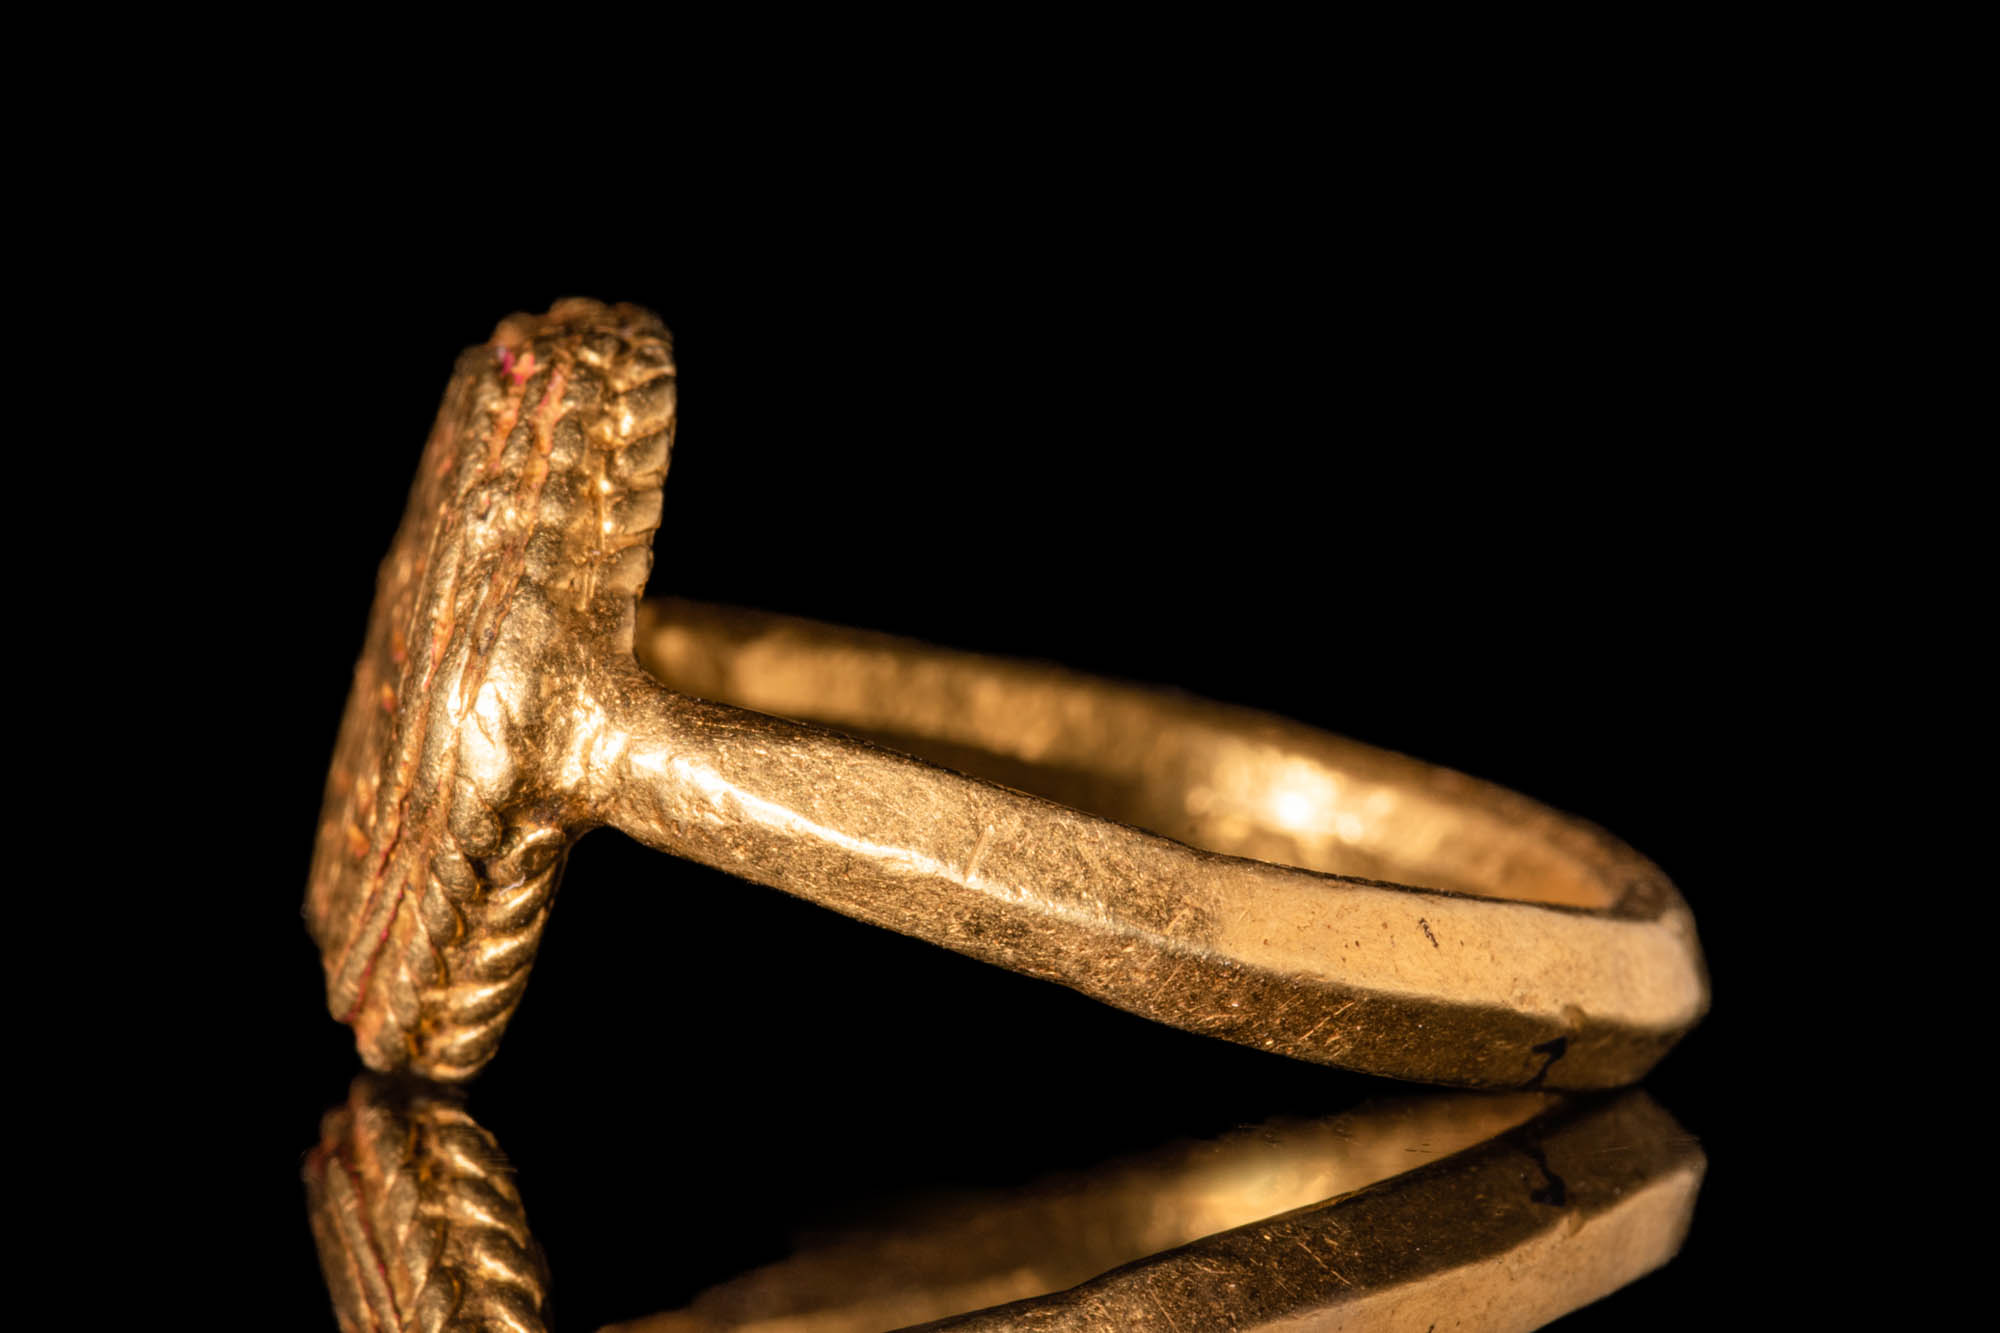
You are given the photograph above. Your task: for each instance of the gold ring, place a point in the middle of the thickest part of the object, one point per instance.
(1205, 866)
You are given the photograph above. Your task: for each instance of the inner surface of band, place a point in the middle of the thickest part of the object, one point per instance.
(1224, 779)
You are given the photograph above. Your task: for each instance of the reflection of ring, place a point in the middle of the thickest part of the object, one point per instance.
(499, 711)
(1459, 1210)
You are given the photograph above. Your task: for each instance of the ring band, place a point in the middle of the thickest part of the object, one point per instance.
(511, 695)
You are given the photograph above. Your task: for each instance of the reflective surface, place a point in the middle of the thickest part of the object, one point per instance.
(1477, 1211)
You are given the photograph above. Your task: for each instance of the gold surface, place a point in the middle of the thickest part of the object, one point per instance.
(1205, 866)
(1469, 1211)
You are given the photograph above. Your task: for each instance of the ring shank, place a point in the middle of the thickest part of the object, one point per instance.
(1227, 780)
(1200, 888)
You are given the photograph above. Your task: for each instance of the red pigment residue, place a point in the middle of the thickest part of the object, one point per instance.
(440, 640)
(517, 372)
(546, 409)
(544, 413)
(503, 426)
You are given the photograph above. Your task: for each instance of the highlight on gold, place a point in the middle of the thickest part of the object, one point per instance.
(1206, 866)
(1493, 1211)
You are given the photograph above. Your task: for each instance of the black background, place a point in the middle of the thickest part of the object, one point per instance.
(1480, 491)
